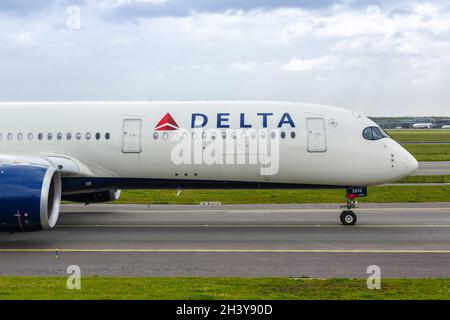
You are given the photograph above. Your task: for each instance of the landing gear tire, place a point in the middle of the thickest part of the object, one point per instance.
(348, 218)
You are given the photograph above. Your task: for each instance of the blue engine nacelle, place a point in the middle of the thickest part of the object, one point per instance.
(30, 198)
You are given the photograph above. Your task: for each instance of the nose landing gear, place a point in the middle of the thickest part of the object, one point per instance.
(348, 216)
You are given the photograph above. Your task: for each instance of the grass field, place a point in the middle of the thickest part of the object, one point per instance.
(40, 288)
(429, 152)
(376, 195)
(425, 152)
(420, 135)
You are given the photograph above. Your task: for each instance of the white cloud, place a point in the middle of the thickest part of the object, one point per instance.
(127, 2)
(418, 81)
(391, 59)
(242, 67)
(25, 39)
(373, 10)
(300, 65)
(425, 9)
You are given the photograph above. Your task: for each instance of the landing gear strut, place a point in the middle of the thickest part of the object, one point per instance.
(348, 217)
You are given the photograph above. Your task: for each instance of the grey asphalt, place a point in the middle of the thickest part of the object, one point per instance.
(433, 168)
(405, 240)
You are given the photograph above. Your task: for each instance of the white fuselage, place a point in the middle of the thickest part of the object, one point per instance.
(321, 145)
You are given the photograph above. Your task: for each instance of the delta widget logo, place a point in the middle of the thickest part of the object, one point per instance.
(167, 123)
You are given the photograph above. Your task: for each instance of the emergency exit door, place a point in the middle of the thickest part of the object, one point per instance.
(131, 142)
(317, 141)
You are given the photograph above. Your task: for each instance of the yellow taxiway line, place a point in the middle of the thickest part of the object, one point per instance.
(75, 250)
(249, 226)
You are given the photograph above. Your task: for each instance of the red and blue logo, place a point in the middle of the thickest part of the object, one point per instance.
(200, 120)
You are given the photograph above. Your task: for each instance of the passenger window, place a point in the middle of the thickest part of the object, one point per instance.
(283, 135)
(155, 135)
(19, 136)
(88, 136)
(59, 136)
(107, 136)
(292, 135)
(97, 136)
(78, 136)
(1, 136)
(69, 136)
(30, 136)
(49, 136)
(10, 136)
(40, 136)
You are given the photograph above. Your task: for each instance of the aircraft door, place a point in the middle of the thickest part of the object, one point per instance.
(131, 138)
(316, 135)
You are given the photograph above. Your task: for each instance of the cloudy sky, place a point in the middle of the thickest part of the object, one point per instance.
(376, 57)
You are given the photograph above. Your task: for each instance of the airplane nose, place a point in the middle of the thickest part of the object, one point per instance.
(410, 163)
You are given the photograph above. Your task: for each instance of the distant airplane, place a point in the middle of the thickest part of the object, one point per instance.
(423, 124)
(88, 151)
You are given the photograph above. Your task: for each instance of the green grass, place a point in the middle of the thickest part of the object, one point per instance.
(420, 135)
(376, 195)
(425, 152)
(429, 152)
(39, 288)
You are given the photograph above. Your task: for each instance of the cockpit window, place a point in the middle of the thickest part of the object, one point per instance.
(368, 133)
(377, 135)
(374, 133)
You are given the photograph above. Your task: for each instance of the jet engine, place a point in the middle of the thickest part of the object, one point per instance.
(94, 197)
(30, 197)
